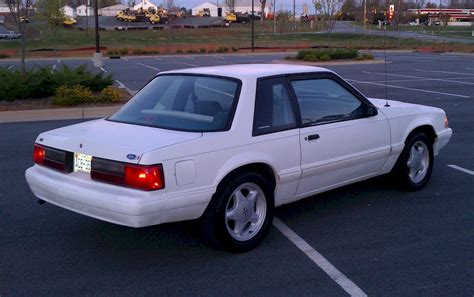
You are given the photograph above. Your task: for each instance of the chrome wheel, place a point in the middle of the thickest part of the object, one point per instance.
(245, 211)
(418, 162)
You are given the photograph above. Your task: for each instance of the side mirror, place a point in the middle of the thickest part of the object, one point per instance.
(371, 111)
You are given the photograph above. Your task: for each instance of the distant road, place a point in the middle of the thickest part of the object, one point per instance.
(348, 27)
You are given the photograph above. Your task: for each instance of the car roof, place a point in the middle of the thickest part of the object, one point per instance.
(246, 71)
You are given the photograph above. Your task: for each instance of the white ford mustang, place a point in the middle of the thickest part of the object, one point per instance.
(228, 144)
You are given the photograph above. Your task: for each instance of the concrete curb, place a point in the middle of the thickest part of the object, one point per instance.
(293, 62)
(57, 114)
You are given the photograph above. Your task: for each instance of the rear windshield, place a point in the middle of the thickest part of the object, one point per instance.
(183, 102)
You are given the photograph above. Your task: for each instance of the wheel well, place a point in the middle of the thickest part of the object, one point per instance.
(262, 168)
(427, 130)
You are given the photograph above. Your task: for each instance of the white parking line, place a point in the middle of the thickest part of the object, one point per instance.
(103, 69)
(148, 66)
(419, 77)
(403, 88)
(125, 59)
(10, 67)
(187, 64)
(439, 71)
(461, 169)
(337, 276)
(189, 57)
(159, 59)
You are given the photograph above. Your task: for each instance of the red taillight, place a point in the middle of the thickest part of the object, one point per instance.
(147, 178)
(52, 158)
(38, 154)
(143, 177)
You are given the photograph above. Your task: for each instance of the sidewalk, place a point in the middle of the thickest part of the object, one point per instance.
(57, 114)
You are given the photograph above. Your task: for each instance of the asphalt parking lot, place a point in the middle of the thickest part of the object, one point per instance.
(384, 241)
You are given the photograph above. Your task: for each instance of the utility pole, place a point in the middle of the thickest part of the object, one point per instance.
(275, 17)
(253, 27)
(365, 13)
(294, 14)
(98, 62)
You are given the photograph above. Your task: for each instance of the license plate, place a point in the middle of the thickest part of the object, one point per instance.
(82, 163)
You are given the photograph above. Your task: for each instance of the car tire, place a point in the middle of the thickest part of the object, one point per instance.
(240, 213)
(415, 164)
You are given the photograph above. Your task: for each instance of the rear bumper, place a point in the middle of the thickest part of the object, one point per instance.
(442, 139)
(111, 203)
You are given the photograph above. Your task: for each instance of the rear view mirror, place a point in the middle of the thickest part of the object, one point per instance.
(371, 111)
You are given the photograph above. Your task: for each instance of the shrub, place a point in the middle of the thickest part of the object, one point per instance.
(3, 56)
(235, 49)
(202, 50)
(110, 94)
(43, 81)
(139, 51)
(124, 51)
(190, 51)
(154, 52)
(75, 95)
(326, 54)
(222, 49)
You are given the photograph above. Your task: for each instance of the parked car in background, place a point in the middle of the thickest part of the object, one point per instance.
(227, 144)
(10, 35)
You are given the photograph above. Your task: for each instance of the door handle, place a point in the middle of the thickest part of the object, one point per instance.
(312, 137)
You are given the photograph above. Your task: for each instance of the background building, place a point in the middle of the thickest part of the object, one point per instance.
(112, 10)
(69, 11)
(83, 10)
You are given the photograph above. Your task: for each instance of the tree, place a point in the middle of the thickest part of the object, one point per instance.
(169, 4)
(230, 4)
(329, 9)
(19, 10)
(263, 3)
(317, 8)
(431, 5)
(51, 11)
(349, 10)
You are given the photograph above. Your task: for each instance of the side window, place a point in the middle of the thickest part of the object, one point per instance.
(325, 100)
(273, 110)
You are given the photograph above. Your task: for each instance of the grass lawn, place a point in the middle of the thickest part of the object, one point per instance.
(452, 31)
(182, 40)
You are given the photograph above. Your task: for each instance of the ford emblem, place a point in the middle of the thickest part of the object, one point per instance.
(131, 156)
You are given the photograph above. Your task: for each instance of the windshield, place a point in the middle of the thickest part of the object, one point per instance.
(183, 102)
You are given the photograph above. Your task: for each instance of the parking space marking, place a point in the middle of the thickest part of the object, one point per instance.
(159, 59)
(447, 72)
(461, 169)
(103, 69)
(10, 67)
(419, 77)
(148, 66)
(404, 88)
(350, 287)
(187, 64)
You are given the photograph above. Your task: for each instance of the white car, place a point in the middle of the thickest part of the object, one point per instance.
(228, 144)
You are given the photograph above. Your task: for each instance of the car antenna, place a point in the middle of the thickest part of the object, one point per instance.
(385, 59)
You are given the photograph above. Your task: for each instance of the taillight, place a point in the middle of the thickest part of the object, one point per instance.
(143, 177)
(38, 154)
(446, 122)
(147, 178)
(52, 158)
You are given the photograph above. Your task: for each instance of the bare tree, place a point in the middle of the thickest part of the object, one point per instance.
(329, 9)
(317, 8)
(19, 10)
(263, 4)
(169, 4)
(230, 4)
(52, 13)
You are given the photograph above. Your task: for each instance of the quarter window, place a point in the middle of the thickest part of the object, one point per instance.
(273, 110)
(324, 100)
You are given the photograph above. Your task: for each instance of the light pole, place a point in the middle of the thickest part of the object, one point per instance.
(98, 62)
(365, 13)
(253, 29)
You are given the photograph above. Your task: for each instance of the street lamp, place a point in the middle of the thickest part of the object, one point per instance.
(98, 62)
(253, 29)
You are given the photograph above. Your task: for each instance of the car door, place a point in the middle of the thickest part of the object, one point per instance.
(343, 138)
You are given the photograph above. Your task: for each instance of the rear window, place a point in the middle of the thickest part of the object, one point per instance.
(183, 102)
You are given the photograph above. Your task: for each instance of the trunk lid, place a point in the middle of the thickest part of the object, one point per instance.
(112, 140)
